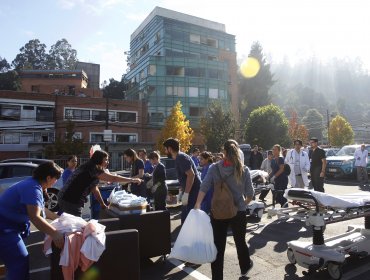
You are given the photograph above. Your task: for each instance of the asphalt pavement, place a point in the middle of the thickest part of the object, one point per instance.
(267, 241)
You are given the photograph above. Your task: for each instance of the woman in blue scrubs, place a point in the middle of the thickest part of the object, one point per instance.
(21, 204)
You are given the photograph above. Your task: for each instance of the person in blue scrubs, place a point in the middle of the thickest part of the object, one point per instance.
(71, 167)
(21, 204)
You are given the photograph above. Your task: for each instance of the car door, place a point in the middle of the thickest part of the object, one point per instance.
(11, 174)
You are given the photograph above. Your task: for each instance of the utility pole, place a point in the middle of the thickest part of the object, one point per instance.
(328, 124)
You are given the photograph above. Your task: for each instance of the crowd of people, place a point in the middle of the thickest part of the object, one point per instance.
(198, 175)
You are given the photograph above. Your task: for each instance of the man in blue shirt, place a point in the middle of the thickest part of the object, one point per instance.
(195, 157)
(186, 173)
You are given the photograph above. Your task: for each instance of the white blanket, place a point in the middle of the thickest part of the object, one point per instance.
(335, 201)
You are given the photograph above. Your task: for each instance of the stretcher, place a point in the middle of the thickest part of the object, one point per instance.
(318, 209)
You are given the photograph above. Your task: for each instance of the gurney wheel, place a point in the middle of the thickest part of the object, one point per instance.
(335, 270)
(291, 256)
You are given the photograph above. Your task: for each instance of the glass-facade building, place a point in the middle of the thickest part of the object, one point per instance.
(177, 57)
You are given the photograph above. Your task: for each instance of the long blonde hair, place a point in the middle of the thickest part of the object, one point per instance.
(231, 148)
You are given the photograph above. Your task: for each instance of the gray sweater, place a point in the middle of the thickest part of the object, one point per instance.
(239, 191)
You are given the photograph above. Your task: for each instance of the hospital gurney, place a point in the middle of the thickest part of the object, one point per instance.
(321, 209)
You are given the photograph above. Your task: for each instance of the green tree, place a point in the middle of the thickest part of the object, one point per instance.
(254, 92)
(314, 123)
(267, 126)
(62, 56)
(9, 79)
(217, 126)
(4, 65)
(340, 132)
(115, 89)
(176, 126)
(31, 56)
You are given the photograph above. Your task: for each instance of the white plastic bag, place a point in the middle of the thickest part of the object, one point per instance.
(195, 240)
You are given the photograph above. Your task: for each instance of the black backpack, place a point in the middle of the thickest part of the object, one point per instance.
(287, 169)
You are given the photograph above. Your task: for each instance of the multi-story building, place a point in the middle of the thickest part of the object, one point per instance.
(178, 57)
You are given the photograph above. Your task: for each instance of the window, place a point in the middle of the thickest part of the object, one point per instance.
(44, 114)
(213, 93)
(10, 112)
(195, 38)
(98, 115)
(196, 111)
(20, 171)
(35, 88)
(126, 138)
(76, 135)
(212, 73)
(126, 117)
(44, 137)
(11, 138)
(193, 92)
(175, 71)
(28, 108)
(156, 117)
(177, 91)
(96, 138)
(152, 70)
(77, 114)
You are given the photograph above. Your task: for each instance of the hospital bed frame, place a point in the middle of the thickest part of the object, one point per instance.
(330, 253)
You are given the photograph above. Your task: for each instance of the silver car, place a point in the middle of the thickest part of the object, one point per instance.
(14, 172)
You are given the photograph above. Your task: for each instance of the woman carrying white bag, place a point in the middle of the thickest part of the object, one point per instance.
(236, 181)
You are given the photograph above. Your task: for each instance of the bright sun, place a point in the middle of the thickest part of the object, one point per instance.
(250, 67)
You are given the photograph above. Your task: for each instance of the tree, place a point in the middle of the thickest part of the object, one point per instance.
(4, 65)
(62, 56)
(254, 92)
(176, 126)
(340, 132)
(66, 146)
(217, 126)
(9, 81)
(115, 89)
(31, 56)
(267, 126)
(314, 122)
(296, 130)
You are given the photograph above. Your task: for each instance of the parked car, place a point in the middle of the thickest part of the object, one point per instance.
(329, 152)
(343, 163)
(247, 151)
(14, 172)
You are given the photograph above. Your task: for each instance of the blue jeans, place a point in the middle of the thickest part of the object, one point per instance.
(15, 256)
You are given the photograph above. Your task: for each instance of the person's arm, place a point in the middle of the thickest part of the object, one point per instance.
(189, 180)
(322, 173)
(34, 213)
(116, 178)
(200, 198)
(140, 174)
(95, 190)
(50, 215)
(249, 190)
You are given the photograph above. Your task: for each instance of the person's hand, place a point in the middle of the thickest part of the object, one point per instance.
(136, 180)
(103, 206)
(197, 206)
(272, 179)
(58, 239)
(184, 199)
(322, 174)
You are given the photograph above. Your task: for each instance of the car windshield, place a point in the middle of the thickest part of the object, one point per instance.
(346, 151)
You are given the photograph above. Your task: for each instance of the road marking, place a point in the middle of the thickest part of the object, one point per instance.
(193, 273)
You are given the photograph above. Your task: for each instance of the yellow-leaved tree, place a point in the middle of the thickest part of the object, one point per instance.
(340, 132)
(176, 126)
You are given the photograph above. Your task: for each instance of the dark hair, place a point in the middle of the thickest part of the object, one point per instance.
(142, 151)
(269, 152)
(98, 157)
(153, 155)
(314, 139)
(172, 143)
(130, 153)
(299, 142)
(196, 150)
(232, 153)
(46, 169)
(71, 157)
(207, 155)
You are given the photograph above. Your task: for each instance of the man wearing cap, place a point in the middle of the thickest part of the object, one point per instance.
(299, 163)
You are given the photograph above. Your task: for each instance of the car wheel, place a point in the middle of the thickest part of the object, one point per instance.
(52, 202)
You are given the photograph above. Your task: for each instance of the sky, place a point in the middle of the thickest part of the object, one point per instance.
(100, 29)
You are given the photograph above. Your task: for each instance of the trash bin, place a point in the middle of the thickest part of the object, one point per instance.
(105, 191)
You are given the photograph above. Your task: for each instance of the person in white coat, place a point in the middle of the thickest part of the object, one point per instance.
(299, 163)
(361, 159)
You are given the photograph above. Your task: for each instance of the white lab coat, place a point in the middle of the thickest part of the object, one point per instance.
(304, 165)
(361, 157)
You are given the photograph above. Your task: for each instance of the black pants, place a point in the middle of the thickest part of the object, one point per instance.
(160, 198)
(316, 180)
(263, 194)
(238, 225)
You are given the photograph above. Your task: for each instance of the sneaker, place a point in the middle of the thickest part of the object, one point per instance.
(246, 272)
(189, 264)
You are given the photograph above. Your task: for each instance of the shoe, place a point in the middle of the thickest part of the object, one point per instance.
(262, 200)
(189, 264)
(246, 272)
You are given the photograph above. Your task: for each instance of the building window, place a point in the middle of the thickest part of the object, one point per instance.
(44, 137)
(193, 92)
(10, 112)
(176, 91)
(96, 138)
(126, 138)
(98, 115)
(152, 70)
(77, 114)
(75, 135)
(28, 108)
(213, 74)
(126, 117)
(35, 88)
(196, 111)
(44, 114)
(213, 93)
(175, 71)
(195, 38)
(156, 117)
(11, 138)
